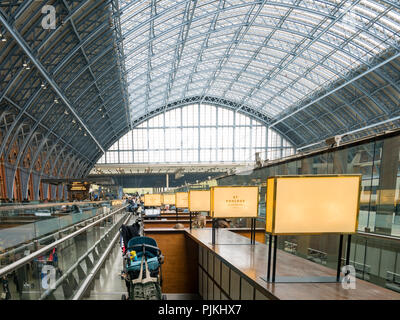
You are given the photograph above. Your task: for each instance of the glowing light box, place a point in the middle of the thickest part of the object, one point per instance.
(234, 202)
(181, 200)
(312, 204)
(152, 200)
(168, 198)
(199, 200)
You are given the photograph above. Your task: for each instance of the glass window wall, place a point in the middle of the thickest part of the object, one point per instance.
(198, 134)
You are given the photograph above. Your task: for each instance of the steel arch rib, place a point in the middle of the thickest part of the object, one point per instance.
(18, 38)
(282, 118)
(43, 126)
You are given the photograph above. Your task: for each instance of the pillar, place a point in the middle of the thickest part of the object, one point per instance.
(306, 166)
(340, 161)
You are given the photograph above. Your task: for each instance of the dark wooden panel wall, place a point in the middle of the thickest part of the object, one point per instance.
(181, 259)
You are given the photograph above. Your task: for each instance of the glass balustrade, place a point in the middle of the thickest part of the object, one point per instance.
(23, 229)
(375, 250)
(58, 273)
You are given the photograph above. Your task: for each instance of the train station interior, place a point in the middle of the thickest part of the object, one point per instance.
(200, 150)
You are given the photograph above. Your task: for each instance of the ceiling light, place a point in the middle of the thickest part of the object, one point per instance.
(26, 65)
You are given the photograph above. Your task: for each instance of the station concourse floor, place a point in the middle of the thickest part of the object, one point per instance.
(110, 286)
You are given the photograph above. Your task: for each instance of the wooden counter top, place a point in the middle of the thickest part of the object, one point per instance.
(170, 223)
(173, 216)
(251, 262)
(156, 220)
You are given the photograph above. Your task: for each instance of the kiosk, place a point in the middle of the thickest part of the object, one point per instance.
(152, 200)
(181, 201)
(199, 200)
(168, 198)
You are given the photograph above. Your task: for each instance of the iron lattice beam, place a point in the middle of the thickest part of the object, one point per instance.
(21, 42)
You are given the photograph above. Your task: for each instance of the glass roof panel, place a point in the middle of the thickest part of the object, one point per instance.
(267, 53)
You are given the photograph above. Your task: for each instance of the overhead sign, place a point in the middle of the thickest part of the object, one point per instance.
(199, 200)
(234, 202)
(312, 204)
(181, 200)
(152, 200)
(168, 198)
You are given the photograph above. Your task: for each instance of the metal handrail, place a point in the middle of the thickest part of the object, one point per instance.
(25, 245)
(376, 235)
(48, 236)
(96, 268)
(82, 258)
(15, 265)
(46, 205)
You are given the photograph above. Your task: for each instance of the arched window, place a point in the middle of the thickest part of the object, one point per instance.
(193, 134)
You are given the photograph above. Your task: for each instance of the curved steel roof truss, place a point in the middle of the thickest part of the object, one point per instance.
(309, 69)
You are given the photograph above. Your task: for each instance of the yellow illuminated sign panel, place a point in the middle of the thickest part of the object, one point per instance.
(181, 200)
(365, 197)
(386, 196)
(199, 200)
(168, 199)
(269, 204)
(152, 200)
(116, 202)
(234, 202)
(312, 204)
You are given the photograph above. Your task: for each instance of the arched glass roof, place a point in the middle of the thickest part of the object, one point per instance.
(268, 55)
(308, 69)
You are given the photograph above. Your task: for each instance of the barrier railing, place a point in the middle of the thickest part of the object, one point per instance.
(21, 226)
(17, 242)
(31, 246)
(57, 270)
